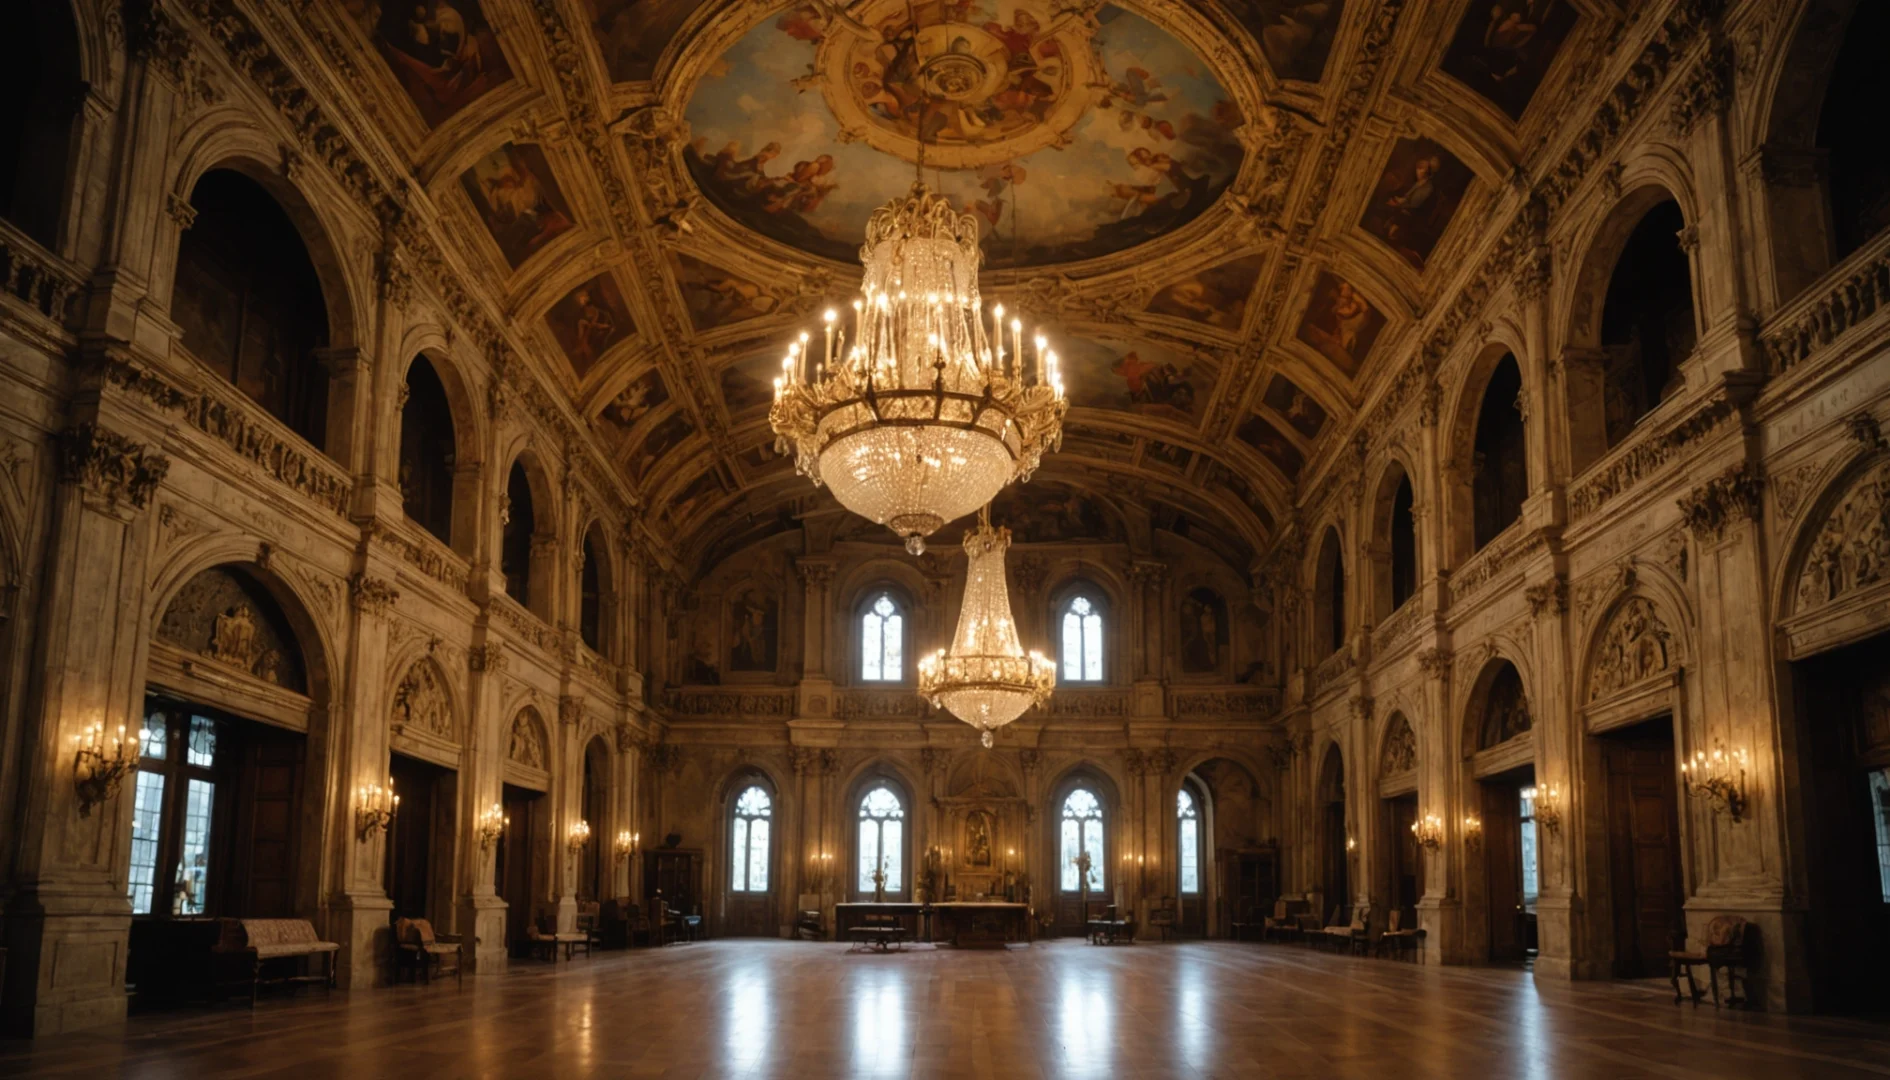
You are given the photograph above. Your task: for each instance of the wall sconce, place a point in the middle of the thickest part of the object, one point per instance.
(95, 773)
(1719, 778)
(1429, 831)
(492, 825)
(627, 843)
(579, 835)
(1351, 843)
(1548, 806)
(374, 809)
(1472, 832)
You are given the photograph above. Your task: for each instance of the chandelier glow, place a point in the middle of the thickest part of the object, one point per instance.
(925, 416)
(986, 680)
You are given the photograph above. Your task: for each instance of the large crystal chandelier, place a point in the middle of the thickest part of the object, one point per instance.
(920, 415)
(986, 680)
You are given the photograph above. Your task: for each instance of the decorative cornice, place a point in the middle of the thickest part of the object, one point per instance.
(109, 465)
(1710, 508)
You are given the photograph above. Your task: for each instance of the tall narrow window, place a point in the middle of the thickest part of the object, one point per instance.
(1880, 807)
(1531, 881)
(174, 815)
(1082, 641)
(1500, 464)
(1189, 845)
(1403, 545)
(591, 596)
(749, 852)
(427, 451)
(1082, 833)
(882, 840)
(882, 641)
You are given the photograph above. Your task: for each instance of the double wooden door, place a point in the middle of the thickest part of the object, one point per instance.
(1643, 847)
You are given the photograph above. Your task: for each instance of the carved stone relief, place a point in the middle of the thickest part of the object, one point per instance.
(1852, 548)
(420, 702)
(1400, 748)
(221, 615)
(1636, 646)
(527, 745)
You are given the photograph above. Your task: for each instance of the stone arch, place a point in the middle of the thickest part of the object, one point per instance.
(1497, 705)
(1082, 580)
(1607, 356)
(38, 132)
(1461, 438)
(1333, 842)
(597, 588)
(1104, 783)
(875, 771)
(426, 347)
(528, 749)
(421, 702)
(1839, 554)
(1397, 747)
(227, 138)
(529, 532)
(1392, 552)
(1328, 629)
(291, 598)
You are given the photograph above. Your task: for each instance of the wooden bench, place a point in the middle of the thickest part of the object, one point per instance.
(544, 940)
(880, 932)
(253, 943)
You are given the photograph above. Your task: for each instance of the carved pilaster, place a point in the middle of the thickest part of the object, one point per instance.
(110, 466)
(1711, 507)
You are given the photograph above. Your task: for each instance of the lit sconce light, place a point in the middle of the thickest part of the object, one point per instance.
(492, 825)
(1719, 778)
(1472, 832)
(1429, 831)
(1351, 843)
(1548, 806)
(98, 766)
(374, 809)
(627, 843)
(579, 835)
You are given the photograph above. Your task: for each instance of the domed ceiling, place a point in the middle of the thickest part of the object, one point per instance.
(1229, 214)
(1071, 135)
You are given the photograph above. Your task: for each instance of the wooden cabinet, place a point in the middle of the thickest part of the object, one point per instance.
(676, 873)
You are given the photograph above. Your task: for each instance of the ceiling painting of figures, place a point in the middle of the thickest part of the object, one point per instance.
(1215, 297)
(1503, 49)
(1294, 35)
(442, 52)
(1340, 322)
(1138, 376)
(518, 200)
(633, 33)
(588, 321)
(1069, 137)
(1416, 196)
(718, 297)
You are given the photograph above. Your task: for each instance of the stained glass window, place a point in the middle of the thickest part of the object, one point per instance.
(753, 814)
(882, 839)
(1190, 843)
(1082, 641)
(1082, 832)
(882, 641)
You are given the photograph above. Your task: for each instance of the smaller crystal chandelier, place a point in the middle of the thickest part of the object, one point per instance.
(986, 680)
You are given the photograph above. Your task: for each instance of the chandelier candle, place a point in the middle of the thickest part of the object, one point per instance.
(915, 419)
(986, 680)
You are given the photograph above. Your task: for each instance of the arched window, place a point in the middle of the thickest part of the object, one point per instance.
(1647, 321)
(1188, 846)
(883, 640)
(591, 596)
(882, 840)
(515, 541)
(39, 67)
(427, 451)
(1858, 160)
(1500, 470)
(748, 853)
(1082, 834)
(1329, 597)
(1403, 545)
(1082, 640)
(249, 301)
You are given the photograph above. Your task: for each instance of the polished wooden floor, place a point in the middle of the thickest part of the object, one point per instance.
(789, 1009)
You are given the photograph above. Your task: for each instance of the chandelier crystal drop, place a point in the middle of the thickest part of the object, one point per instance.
(920, 415)
(986, 680)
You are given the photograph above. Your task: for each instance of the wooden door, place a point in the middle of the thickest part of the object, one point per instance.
(410, 840)
(268, 813)
(1337, 880)
(1643, 847)
(513, 867)
(1406, 867)
(1502, 864)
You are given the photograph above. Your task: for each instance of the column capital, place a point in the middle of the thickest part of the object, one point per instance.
(110, 466)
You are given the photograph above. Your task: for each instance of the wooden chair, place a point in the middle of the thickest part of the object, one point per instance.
(1728, 945)
(1400, 939)
(1309, 929)
(1349, 936)
(1162, 918)
(1282, 925)
(422, 953)
(810, 925)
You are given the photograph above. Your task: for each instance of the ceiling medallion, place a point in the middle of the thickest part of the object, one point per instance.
(923, 417)
(986, 680)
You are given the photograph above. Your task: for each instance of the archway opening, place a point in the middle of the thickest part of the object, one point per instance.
(515, 540)
(751, 878)
(1499, 465)
(1503, 877)
(594, 882)
(250, 303)
(593, 595)
(428, 451)
(1329, 597)
(40, 77)
(1857, 158)
(1335, 838)
(1647, 324)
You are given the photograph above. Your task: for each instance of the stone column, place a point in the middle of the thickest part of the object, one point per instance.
(567, 789)
(816, 691)
(482, 779)
(1440, 909)
(68, 920)
(359, 907)
(1561, 923)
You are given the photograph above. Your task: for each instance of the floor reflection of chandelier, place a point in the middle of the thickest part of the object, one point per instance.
(985, 679)
(924, 416)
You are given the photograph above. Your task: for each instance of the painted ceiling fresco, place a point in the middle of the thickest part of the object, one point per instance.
(1070, 137)
(1207, 205)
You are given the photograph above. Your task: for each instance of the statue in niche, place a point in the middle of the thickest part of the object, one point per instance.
(1400, 749)
(526, 748)
(1203, 631)
(233, 637)
(420, 702)
(978, 839)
